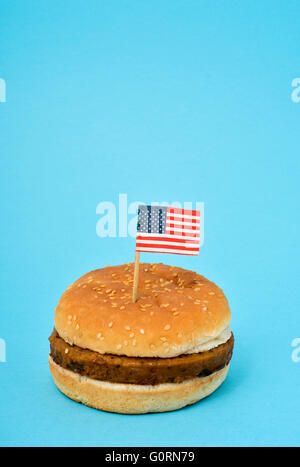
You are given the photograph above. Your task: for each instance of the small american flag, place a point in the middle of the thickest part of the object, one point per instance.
(163, 229)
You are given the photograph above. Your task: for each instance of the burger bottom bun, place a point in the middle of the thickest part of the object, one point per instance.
(133, 398)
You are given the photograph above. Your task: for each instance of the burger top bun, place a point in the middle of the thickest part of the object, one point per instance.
(177, 312)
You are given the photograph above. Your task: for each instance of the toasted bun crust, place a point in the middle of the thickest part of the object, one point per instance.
(177, 312)
(132, 398)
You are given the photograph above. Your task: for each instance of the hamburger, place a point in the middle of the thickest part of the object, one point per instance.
(170, 348)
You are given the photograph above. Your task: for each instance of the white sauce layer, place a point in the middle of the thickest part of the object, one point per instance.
(211, 343)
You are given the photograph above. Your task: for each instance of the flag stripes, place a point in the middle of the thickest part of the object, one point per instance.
(168, 230)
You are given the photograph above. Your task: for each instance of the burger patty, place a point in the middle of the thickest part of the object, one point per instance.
(139, 370)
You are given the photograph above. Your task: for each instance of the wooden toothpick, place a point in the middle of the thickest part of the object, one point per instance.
(136, 276)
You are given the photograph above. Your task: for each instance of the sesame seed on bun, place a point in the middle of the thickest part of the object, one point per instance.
(177, 312)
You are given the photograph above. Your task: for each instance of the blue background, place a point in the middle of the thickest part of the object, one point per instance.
(174, 100)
